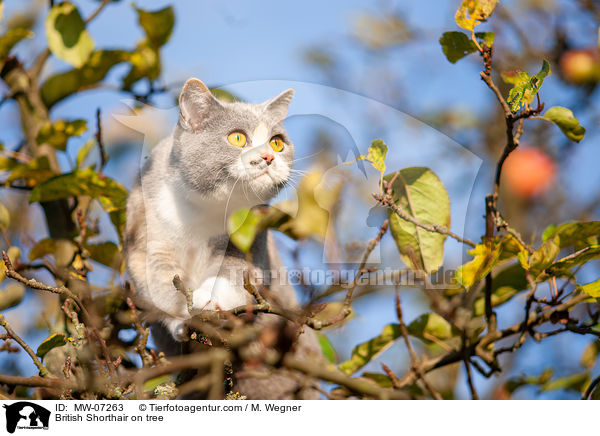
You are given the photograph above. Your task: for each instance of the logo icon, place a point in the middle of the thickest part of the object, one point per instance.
(26, 415)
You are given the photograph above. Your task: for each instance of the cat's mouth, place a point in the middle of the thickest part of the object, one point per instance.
(260, 173)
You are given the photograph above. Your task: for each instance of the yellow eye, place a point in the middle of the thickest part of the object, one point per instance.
(237, 138)
(276, 143)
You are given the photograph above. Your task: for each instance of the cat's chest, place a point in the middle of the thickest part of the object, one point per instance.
(192, 225)
(188, 219)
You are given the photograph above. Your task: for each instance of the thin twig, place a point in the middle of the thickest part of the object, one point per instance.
(415, 364)
(97, 11)
(387, 201)
(474, 394)
(99, 140)
(143, 334)
(189, 296)
(36, 361)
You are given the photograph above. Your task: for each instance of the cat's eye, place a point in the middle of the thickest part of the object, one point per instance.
(276, 143)
(237, 138)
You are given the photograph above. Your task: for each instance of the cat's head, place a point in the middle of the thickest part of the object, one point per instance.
(219, 144)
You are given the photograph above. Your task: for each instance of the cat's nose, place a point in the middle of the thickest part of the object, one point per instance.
(268, 158)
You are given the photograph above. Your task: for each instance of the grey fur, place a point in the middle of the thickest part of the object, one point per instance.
(177, 211)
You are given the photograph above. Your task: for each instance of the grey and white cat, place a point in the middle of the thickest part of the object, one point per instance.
(220, 157)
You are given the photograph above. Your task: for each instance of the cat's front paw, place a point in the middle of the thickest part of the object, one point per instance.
(218, 293)
(178, 328)
(201, 298)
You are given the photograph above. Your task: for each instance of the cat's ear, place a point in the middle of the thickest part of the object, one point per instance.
(277, 107)
(195, 102)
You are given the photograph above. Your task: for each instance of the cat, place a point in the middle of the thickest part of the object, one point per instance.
(221, 156)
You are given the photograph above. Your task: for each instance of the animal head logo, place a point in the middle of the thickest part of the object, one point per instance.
(26, 415)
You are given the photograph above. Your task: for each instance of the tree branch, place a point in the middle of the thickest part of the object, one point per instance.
(36, 361)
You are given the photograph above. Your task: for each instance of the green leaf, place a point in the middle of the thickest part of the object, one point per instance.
(4, 217)
(11, 38)
(59, 86)
(473, 12)
(112, 195)
(592, 289)
(525, 88)
(153, 383)
(367, 351)
(381, 379)
(457, 45)
(310, 217)
(564, 118)
(157, 25)
(590, 353)
(58, 133)
(307, 219)
(572, 382)
(515, 383)
(506, 284)
(430, 325)
(84, 152)
(118, 218)
(420, 193)
(11, 295)
(514, 77)
(376, 155)
(486, 37)
(543, 257)
(145, 62)
(573, 233)
(224, 95)
(67, 37)
(326, 347)
(106, 253)
(564, 265)
(485, 257)
(42, 248)
(243, 226)
(32, 172)
(51, 342)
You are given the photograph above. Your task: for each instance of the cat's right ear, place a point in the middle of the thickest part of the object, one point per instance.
(195, 102)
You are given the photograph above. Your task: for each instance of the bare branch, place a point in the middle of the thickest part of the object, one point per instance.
(36, 361)
(387, 201)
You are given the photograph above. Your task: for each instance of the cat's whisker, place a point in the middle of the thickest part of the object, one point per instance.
(306, 157)
(244, 190)
(256, 193)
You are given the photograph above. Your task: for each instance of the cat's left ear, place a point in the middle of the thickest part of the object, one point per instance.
(278, 107)
(195, 103)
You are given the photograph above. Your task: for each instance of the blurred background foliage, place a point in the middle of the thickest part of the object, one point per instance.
(74, 116)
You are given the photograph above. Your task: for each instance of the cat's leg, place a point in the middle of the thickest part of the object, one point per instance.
(152, 273)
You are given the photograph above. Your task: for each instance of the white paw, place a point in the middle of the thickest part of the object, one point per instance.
(218, 293)
(201, 298)
(178, 329)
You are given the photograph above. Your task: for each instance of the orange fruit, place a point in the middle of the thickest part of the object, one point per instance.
(581, 66)
(528, 172)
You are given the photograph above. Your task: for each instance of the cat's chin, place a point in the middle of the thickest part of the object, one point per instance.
(264, 185)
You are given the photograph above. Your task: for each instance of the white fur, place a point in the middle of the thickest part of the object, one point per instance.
(260, 135)
(217, 293)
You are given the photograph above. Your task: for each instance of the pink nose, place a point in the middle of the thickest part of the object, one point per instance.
(268, 157)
